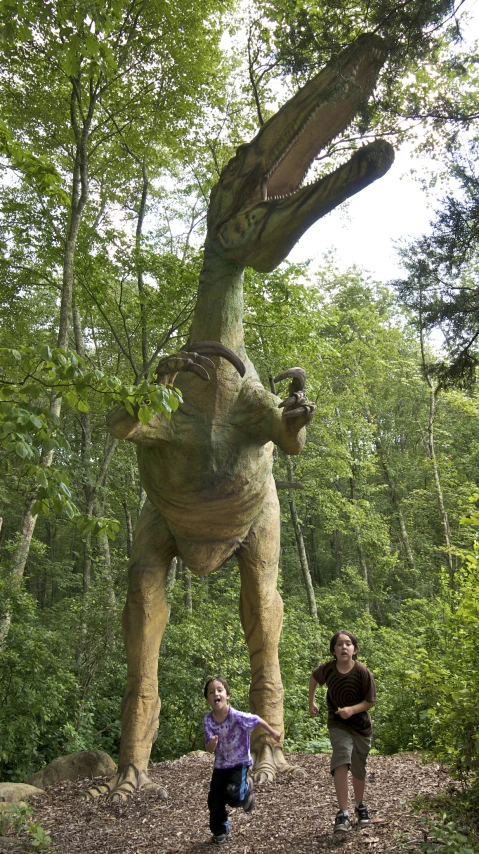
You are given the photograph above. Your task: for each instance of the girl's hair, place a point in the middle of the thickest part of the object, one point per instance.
(217, 679)
(352, 637)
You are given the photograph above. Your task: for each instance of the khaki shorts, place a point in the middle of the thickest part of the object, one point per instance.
(351, 749)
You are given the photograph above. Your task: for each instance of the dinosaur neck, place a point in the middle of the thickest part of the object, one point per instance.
(219, 307)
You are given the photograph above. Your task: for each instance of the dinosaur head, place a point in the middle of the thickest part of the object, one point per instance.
(258, 209)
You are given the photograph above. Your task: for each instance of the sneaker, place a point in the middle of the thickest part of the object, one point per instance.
(221, 839)
(341, 823)
(362, 815)
(248, 803)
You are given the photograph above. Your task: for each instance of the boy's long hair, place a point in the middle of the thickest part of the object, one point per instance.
(352, 637)
(217, 679)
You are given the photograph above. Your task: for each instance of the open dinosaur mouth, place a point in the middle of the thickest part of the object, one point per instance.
(260, 207)
(288, 175)
(318, 113)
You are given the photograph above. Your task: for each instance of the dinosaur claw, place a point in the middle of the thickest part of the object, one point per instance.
(169, 366)
(298, 397)
(296, 405)
(198, 370)
(298, 375)
(214, 348)
(307, 410)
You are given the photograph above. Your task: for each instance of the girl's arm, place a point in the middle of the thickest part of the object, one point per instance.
(274, 732)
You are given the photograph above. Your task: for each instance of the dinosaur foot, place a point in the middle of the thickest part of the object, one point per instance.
(269, 761)
(124, 784)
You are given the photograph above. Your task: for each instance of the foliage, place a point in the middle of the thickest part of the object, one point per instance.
(28, 430)
(143, 108)
(18, 817)
(61, 682)
(441, 283)
(446, 830)
(189, 655)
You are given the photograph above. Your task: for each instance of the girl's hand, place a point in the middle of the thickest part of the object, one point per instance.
(276, 735)
(212, 744)
(313, 710)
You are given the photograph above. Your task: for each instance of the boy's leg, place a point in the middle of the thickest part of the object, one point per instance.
(343, 746)
(340, 777)
(358, 786)
(359, 756)
(217, 800)
(342, 742)
(362, 746)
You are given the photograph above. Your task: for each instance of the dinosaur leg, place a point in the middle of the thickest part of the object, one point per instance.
(261, 611)
(144, 619)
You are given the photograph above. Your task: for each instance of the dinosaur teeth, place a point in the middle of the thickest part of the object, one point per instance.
(292, 143)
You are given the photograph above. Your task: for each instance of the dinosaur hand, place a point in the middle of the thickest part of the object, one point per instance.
(296, 405)
(194, 358)
(169, 366)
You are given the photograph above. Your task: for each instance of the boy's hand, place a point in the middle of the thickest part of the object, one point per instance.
(211, 746)
(345, 712)
(313, 710)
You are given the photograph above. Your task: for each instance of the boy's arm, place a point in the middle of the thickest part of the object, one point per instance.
(347, 711)
(274, 732)
(313, 709)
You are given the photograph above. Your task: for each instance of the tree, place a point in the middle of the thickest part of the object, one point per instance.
(441, 286)
(113, 73)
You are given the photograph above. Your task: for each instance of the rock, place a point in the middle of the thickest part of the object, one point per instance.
(86, 763)
(14, 793)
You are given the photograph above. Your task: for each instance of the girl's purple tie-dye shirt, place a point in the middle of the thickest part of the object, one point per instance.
(233, 737)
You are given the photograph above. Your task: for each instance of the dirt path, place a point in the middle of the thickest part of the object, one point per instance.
(294, 815)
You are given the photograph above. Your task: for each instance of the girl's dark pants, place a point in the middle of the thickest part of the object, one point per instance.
(229, 787)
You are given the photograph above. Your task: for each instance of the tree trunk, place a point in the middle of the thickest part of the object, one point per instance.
(431, 452)
(188, 598)
(337, 550)
(18, 563)
(303, 558)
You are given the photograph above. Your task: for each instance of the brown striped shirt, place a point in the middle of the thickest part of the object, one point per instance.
(347, 689)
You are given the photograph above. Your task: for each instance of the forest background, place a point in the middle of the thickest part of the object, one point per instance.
(117, 118)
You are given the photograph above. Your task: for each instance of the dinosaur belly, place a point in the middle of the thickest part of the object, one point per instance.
(209, 510)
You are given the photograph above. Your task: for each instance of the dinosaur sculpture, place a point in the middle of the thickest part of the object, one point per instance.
(208, 472)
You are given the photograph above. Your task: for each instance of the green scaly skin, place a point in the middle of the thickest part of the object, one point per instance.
(208, 472)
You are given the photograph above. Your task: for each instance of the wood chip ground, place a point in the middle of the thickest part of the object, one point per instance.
(292, 816)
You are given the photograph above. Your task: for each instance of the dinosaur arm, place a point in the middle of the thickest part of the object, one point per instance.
(292, 432)
(297, 412)
(270, 421)
(122, 425)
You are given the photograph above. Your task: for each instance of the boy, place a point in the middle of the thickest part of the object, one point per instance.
(227, 736)
(351, 692)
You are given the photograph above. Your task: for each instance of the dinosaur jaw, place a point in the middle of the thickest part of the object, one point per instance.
(263, 235)
(260, 188)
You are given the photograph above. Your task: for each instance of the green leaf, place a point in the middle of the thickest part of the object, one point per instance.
(144, 414)
(22, 450)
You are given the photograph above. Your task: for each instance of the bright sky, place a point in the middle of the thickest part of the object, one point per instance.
(363, 230)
